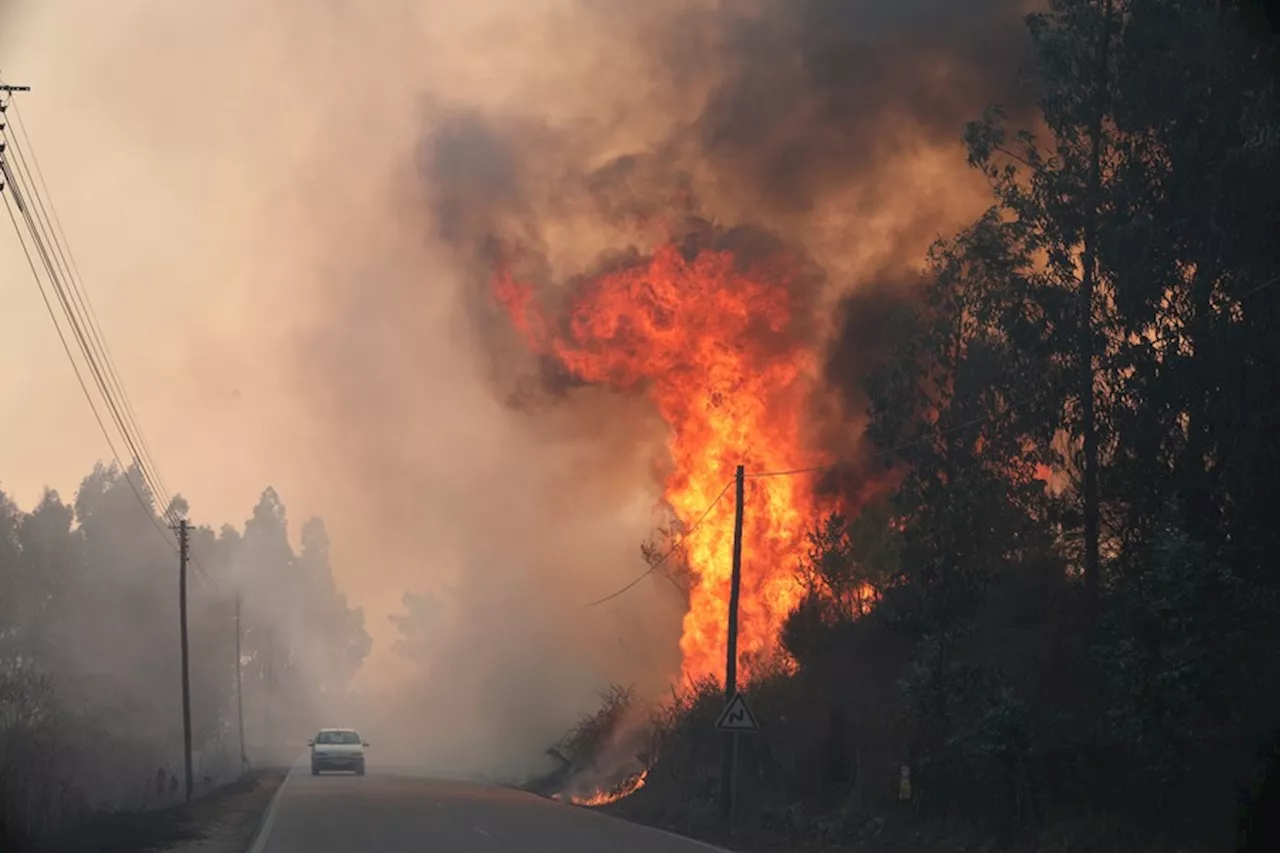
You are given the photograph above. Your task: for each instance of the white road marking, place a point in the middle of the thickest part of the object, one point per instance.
(264, 831)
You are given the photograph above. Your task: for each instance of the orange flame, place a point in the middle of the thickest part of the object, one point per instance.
(604, 798)
(711, 341)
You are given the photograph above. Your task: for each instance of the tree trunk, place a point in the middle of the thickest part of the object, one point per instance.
(1194, 479)
(1087, 286)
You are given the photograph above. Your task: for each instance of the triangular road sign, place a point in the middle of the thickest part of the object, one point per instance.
(737, 717)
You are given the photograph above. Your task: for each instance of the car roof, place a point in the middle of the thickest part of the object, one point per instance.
(322, 731)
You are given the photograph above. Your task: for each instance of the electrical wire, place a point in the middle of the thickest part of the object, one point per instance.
(40, 218)
(69, 296)
(676, 547)
(80, 379)
(86, 305)
(65, 276)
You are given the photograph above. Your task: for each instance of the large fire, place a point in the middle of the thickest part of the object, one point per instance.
(711, 340)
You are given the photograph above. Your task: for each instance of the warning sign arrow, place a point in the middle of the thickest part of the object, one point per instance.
(737, 717)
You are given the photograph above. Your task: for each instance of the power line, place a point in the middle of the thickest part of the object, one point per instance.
(86, 305)
(49, 259)
(78, 309)
(1252, 291)
(654, 567)
(69, 296)
(79, 378)
(23, 185)
(40, 218)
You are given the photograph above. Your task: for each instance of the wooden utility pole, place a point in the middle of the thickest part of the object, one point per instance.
(244, 759)
(729, 755)
(4, 167)
(183, 553)
(269, 676)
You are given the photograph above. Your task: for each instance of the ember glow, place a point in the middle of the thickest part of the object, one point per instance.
(604, 798)
(711, 340)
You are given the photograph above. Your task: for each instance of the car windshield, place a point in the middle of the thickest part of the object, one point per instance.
(338, 737)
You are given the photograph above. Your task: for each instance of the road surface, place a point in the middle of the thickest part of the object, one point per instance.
(400, 813)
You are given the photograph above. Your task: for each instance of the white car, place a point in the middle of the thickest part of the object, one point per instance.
(337, 749)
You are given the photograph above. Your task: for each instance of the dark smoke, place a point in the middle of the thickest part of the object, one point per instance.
(812, 111)
(829, 91)
(804, 100)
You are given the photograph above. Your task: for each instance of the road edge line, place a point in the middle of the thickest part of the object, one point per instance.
(263, 833)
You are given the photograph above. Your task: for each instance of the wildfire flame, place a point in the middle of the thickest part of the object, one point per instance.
(604, 798)
(710, 339)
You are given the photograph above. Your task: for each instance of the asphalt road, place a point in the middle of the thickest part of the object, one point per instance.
(391, 813)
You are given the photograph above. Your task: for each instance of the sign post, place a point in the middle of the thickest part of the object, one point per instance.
(735, 719)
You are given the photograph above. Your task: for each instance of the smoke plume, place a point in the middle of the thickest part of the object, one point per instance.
(331, 184)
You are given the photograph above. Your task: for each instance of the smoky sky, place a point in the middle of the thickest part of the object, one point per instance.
(801, 100)
(305, 200)
(810, 123)
(828, 88)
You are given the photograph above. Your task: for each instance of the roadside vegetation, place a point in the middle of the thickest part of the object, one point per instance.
(1067, 605)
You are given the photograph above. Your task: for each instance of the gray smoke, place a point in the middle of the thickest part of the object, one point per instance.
(323, 210)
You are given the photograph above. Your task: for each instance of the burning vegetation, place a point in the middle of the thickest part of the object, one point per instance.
(950, 627)
(604, 798)
(716, 331)
(606, 756)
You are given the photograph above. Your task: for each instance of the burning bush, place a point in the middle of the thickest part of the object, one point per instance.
(716, 329)
(608, 753)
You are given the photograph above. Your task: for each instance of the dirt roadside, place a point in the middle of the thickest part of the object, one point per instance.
(224, 821)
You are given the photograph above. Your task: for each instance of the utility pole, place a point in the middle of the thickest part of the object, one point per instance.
(729, 755)
(183, 554)
(269, 677)
(4, 167)
(244, 759)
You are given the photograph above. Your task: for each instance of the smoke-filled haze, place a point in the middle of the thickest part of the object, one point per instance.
(286, 214)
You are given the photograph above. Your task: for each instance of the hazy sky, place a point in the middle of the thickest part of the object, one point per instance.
(240, 183)
(235, 180)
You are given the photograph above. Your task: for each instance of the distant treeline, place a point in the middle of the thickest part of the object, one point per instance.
(90, 691)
